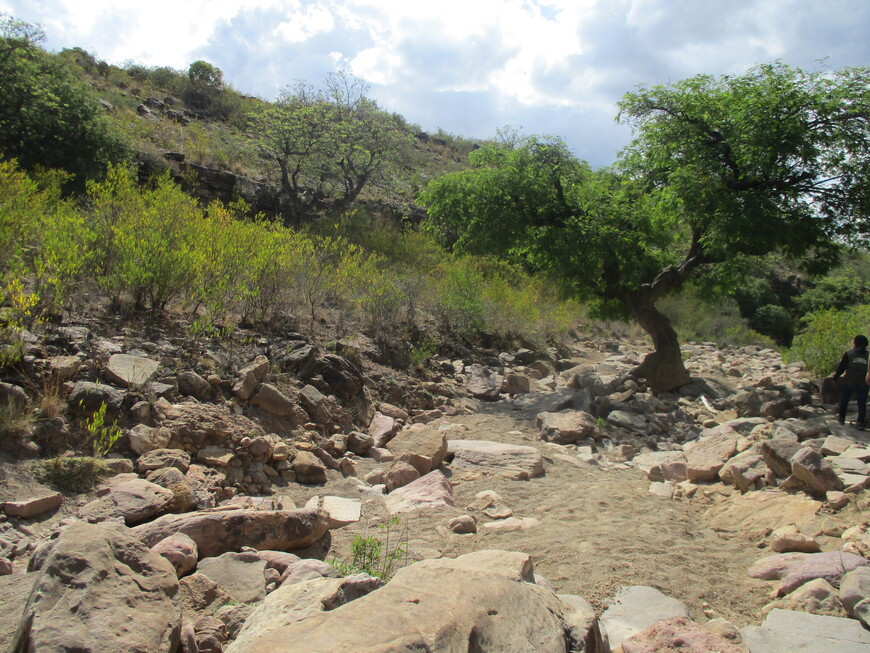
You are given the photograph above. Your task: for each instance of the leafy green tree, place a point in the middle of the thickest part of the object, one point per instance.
(49, 117)
(328, 144)
(720, 169)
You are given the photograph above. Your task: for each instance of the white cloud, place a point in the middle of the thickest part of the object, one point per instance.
(468, 65)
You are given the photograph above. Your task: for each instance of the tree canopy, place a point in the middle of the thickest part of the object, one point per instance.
(48, 117)
(721, 168)
(328, 143)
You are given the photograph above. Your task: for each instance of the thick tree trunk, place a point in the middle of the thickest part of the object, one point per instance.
(663, 369)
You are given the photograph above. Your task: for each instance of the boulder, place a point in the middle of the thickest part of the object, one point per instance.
(173, 480)
(193, 385)
(516, 384)
(382, 429)
(195, 426)
(307, 569)
(126, 370)
(745, 471)
(163, 458)
(341, 511)
(273, 401)
(831, 566)
(567, 427)
(809, 466)
(707, 456)
(100, 589)
(789, 538)
(201, 595)
(180, 550)
(678, 634)
(754, 512)
(636, 608)
(430, 605)
(817, 597)
(29, 508)
(400, 475)
(428, 492)
(133, 501)
(238, 574)
(483, 383)
(787, 631)
(230, 530)
(293, 602)
(517, 461)
(855, 594)
(308, 468)
(87, 398)
(777, 454)
(143, 438)
(428, 447)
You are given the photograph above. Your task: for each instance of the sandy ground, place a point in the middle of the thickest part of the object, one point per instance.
(600, 529)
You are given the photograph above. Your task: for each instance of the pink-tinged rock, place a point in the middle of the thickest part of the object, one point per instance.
(678, 635)
(567, 427)
(815, 597)
(32, 507)
(382, 429)
(308, 468)
(744, 471)
(428, 447)
(278, 560)
(6, 568)
(674, 470)
(831, 566)
(809, 466)
(429, 492)
(789, 538)
(400, 475)
(775, 567)
(463, 524)
(516, 461)
(230, 530)
(512, 524)
(307, 569)
(133, 501)
(708, 456)
(180, 550)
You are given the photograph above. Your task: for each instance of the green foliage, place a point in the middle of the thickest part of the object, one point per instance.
(696, 317)
(378, 556)
(152, 269)
(835, 291)
(48, 116)
(103, 437)
(774, 321)
(422, 351)
(827, 335)
(71, 473)
(327, 144)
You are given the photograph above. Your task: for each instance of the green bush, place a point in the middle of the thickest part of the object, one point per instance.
(774, 321)
(827, 335)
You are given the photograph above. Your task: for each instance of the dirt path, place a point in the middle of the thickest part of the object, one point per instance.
(600, 529)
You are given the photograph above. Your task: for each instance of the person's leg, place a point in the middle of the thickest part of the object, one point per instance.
(861, 396)
(845, 395)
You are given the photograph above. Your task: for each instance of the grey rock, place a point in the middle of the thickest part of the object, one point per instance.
(787, 631)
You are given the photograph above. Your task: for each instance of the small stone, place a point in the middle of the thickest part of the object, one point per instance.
(463, 524)
(789, 538)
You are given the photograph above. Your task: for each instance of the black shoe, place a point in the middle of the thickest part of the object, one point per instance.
(859, 426)
(842, 421)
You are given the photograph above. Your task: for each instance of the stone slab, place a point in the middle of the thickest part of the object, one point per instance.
(787, 631)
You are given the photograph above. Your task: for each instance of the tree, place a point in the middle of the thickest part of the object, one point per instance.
(48, 117)
(721, 169)
(327, 143)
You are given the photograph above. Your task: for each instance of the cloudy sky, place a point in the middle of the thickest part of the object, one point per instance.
(468, 66)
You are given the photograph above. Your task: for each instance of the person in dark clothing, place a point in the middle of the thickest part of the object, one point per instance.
(853, 369)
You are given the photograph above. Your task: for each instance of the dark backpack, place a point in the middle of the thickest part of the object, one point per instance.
(856, 371)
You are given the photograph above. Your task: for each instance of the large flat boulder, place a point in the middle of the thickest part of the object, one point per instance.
(238, 574)
(787, 631)
(636, 608)
(483, 383)
(126, 370)
(101, 589)
(133, 501)
(432, 606)
(759, 511)
(428, 492)
(230, 530)
(510, 459)
(424, 447)
(707, 456)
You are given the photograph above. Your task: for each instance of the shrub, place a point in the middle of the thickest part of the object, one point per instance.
(378, 556)
(826, 336)
(774, 321)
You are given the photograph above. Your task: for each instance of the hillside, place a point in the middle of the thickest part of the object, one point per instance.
(297, 376)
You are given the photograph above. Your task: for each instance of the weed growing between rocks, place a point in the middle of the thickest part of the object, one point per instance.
(71, 473)
(375, 556)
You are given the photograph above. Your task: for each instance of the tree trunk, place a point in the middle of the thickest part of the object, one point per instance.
(663, 369)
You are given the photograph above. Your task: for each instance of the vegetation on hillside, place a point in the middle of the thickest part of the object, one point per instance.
(721, 170)
(771, 165)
